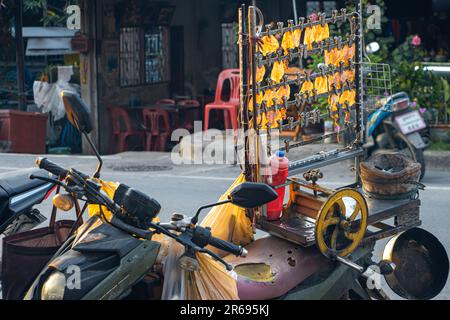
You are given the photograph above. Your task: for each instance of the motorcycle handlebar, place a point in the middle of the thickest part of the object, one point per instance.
(228, 247)
(50, 166)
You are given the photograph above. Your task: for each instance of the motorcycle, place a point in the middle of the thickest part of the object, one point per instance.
(395, 126)
(18, 197)
(115, 257)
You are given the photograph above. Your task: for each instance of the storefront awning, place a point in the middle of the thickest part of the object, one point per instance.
(46, 41)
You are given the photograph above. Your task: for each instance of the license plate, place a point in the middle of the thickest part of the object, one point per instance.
(416, 140)
(410, 122)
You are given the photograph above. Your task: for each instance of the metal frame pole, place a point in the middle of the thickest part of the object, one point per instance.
(20, 57)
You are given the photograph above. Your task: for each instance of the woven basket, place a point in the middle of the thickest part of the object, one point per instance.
(390, 175)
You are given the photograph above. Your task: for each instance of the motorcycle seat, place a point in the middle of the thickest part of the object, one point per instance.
(273, 267)
(17, 182)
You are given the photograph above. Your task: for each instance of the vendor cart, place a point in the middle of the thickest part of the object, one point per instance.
(337, 221)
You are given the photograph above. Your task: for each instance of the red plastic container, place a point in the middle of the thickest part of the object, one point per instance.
(26, 132)
(279, 165)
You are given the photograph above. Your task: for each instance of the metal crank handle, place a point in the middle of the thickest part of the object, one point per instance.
(385, 267)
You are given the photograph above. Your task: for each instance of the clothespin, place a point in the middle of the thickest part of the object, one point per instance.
(285, 99)
(330, 44)
(322, 18)
(301, 117)
(279, 55)
(259, 59)
(334, 15)
(334, 89)
(339, 43)
(341, 66)
(290, 55)
(307, 116)
(314, 95)
(317, 116)
(291, 123)
(291, 25)
(302, 23)
(298, 99)
(321, 46)
(343, 14)
(280, 26)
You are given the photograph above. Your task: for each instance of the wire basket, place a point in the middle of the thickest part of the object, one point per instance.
(377, 84)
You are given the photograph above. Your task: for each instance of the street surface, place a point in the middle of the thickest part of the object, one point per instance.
(184, 188)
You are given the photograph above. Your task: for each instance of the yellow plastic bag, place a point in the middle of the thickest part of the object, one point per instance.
(229, 222)
(109, 188)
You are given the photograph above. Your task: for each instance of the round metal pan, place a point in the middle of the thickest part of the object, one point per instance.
(421, 262)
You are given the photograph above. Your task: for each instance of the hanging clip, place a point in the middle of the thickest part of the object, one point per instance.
(280, 26)
(343, 14)
(334, 15)
(322, 18)
(302, 23)
(285, 99)
(291, 123)
(291, 25)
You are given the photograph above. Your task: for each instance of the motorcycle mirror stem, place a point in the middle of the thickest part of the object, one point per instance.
(194, 219)
(97, 154)
(79, 116)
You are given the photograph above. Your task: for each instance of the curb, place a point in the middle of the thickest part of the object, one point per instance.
(437, 159)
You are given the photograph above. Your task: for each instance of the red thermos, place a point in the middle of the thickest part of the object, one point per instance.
(279, 165)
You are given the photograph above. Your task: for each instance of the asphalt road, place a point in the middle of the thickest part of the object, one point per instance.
(185, 188)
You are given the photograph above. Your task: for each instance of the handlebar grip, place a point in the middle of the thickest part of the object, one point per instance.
(228, 247)
(44, 163)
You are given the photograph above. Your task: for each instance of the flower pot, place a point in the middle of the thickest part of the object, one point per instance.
(440, 132)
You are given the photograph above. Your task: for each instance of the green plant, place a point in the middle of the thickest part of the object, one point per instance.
(53, 11)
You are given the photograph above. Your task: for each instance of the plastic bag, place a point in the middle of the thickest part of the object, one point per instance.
(229, 222)
(109, 188)
(211, 282)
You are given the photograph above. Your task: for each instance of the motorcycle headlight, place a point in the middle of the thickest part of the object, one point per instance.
(54, 287)
(400, 105)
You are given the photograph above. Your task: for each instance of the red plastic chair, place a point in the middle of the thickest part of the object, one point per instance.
(158, 124)
(123, 128)
(230, 107)
(189, 120)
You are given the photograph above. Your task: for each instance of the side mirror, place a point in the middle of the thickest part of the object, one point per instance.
(77, 111)
(251, 195)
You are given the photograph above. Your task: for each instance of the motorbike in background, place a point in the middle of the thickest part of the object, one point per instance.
(18, 196)
(395, 126)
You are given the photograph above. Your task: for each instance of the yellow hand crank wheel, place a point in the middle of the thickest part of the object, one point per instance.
(341, 223)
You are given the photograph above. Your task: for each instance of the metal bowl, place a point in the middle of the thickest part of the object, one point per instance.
(421, 262)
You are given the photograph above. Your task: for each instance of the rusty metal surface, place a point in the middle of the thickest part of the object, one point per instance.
(290, 264)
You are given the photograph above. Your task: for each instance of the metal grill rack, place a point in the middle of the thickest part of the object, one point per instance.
(251, 60)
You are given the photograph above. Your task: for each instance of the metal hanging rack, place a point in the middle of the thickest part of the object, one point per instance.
(251, 59)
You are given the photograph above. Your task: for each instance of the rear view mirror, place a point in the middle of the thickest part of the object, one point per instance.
(77, 111)
(251, 195)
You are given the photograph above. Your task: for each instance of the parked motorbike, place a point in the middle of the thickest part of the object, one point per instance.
(396, 127)
(115, 256)
(18, 197)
